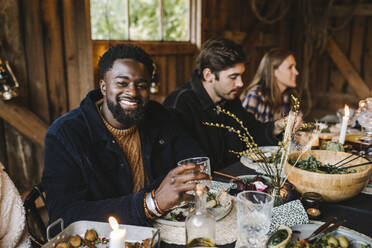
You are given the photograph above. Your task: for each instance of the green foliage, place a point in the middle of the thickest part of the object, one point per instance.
(144, 19)
(176, 20)
(108, 20)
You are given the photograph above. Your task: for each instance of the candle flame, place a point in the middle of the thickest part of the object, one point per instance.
(346, 110)
(113, 223)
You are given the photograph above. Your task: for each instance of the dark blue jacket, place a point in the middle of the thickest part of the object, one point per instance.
(86, 175)
(195, 106)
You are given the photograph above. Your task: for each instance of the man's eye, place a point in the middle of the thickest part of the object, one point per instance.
(122, 84)
(142, 86)
(233, 77)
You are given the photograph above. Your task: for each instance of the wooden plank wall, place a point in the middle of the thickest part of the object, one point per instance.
(328, 86)
(48, 46)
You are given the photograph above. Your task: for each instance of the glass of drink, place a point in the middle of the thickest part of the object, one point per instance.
(254, 209)
(203, 162)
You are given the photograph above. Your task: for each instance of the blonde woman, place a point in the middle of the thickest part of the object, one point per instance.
(267, 96)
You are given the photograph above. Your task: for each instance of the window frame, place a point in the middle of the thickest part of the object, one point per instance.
(194, 28)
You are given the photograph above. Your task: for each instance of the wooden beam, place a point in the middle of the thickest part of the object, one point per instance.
(78, 50)
(34, 47)
(368, 54)
(347, 69)
(344, 10)
(356, 46)
(25, 121)
(54, 57)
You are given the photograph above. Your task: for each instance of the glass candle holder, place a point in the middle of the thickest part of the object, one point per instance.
(311, 202)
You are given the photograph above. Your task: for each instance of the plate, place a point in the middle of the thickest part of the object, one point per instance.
(219, 212)
(354, 237)
(268, 150)
(133, 234)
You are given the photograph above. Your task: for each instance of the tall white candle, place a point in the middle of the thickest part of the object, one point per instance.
(345, 121)
(117, 236)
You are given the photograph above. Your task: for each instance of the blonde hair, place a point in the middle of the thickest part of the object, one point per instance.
(265, 78)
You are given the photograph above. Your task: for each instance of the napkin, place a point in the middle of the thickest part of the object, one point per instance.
(216, 186)
(290, 214)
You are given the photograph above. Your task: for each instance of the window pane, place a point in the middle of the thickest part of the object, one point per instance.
(108, 19)
(144, 19)
(176, 20)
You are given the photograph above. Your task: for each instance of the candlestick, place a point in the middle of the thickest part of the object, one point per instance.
(345, 121)
(117, 236)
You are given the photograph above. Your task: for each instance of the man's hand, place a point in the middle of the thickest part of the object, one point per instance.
(279, 125)
(172, 189)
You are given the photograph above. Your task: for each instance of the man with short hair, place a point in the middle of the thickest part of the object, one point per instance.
(115, 153)
(217, 82)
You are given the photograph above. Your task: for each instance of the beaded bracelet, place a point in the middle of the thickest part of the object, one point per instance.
(151, 205)
(147, 212)
(156, 202)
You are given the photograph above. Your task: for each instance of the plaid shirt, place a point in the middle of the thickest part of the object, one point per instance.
(256, 103)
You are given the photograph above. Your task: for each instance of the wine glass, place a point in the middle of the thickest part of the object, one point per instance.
(365, 119)
(254, 209)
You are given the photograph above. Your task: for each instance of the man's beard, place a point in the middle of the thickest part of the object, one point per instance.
(127, 117)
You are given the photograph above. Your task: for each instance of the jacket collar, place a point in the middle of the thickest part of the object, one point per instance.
(198, 88)
(96, 128)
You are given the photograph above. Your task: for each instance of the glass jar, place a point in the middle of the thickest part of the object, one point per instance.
(311, 202)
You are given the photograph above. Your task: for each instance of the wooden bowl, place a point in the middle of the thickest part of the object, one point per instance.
(333, 187)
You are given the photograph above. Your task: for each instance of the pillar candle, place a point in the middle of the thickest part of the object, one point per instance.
(117, 236)
(345, 121)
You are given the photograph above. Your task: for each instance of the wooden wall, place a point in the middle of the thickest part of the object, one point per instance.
(329, 88)
(48, 46)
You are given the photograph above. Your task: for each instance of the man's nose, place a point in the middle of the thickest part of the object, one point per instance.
(239, 82)
(132, 89)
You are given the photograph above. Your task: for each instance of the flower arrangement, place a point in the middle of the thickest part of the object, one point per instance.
(273, 168)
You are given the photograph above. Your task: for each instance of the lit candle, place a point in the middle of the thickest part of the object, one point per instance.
(345, 121)
(117, 236)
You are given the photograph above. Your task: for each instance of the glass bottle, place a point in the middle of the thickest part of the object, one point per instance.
(200, 224)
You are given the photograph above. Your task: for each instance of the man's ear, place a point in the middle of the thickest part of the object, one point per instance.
(102, 86)
(208, 75)
(275, 74)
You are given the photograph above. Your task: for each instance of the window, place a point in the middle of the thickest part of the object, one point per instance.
(141, 20)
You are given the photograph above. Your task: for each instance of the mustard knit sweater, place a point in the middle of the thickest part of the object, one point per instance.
(130, 143)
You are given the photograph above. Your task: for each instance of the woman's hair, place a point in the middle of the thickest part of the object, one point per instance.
(218, 55)
(265, 78)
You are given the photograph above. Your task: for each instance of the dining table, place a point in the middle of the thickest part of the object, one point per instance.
(357, 211)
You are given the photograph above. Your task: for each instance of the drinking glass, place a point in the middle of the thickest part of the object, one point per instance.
(204, 163)
(201, 161)
(254, 211)
(365, 119)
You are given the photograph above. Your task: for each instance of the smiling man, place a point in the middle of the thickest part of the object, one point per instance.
(217, 81)
(115, 154)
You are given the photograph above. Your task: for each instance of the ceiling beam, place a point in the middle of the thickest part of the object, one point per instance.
(347, 69)
(25, 121)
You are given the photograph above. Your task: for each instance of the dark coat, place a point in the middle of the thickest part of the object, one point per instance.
(86, 175)
(194, 107)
